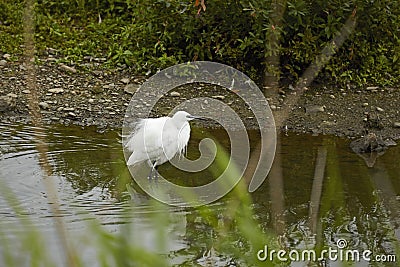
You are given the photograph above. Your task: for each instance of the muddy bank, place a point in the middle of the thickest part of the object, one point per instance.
(88, 95)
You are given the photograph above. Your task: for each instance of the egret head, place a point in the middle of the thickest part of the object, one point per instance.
(183, 116)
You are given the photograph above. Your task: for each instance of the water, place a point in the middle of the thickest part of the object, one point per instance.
(357, 204)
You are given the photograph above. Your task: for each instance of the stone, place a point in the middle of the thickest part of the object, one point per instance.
(12, 95)
(131, 88)
(372, 88)
(56, 90)
(68, 68)
(367, 144)
(332, 96)
(174, 94)
(315, 108)
(44, 105)
(379, 109)
(7, 56)
(3, 62)
(220, 97)
(273, 107)
(6, 102)
(396, 124)
(365, 104)
(125, 80)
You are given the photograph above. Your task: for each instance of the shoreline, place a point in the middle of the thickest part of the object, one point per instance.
(76, 95)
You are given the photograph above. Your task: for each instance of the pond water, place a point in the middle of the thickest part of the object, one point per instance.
(65, 189)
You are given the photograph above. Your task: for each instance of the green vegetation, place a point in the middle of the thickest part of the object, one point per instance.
(150, 35)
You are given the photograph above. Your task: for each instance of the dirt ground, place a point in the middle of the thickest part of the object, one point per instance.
(74, 94)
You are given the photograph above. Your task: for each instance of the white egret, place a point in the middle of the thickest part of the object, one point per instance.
(158, 140)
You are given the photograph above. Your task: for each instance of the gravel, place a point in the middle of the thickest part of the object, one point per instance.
(87, 94)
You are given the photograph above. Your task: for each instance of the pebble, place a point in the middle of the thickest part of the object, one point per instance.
(273, 107)
(125, 80)
(379, 109)
(26, 91)
(365, 104)
(396, 124)
(332, 96)
(71, 114)
(91, 100)
(175, 94)
(3, 62)
(220, 97)
(7, 56)
(131, 88)
(312, 109)
(56, 90)
(44, 105)
(12, 95)
(67, 68)
(371, 88)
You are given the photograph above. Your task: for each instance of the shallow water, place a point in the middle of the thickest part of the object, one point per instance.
(87, 173)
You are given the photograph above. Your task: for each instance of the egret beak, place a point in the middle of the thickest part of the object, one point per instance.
(191, 117)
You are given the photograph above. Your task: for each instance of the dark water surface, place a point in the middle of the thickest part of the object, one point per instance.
(351, 202)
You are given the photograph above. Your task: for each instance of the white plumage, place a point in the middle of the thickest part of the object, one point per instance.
(157, 140)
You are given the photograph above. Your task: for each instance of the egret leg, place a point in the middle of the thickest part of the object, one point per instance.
(153, 167)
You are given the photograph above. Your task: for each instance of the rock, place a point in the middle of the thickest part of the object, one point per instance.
(6, 103)
(109, 86)
(97, 88)
(328, 123)
(12, 95)
(3, 62)
(7, 56)
(26, 91)
(314, 109)
(91, 100)
(396, 124)
(332, 96)
(131, 88)
(273, 107)
(390, 142)
(44, 105)
(220, 97)
(369, 143)
(373, 121)
(372, 88)
(68, 68)
(365, 104)
(71, 114)
(125, 80)
(174, 94)
(379, 109)
(56, 90)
